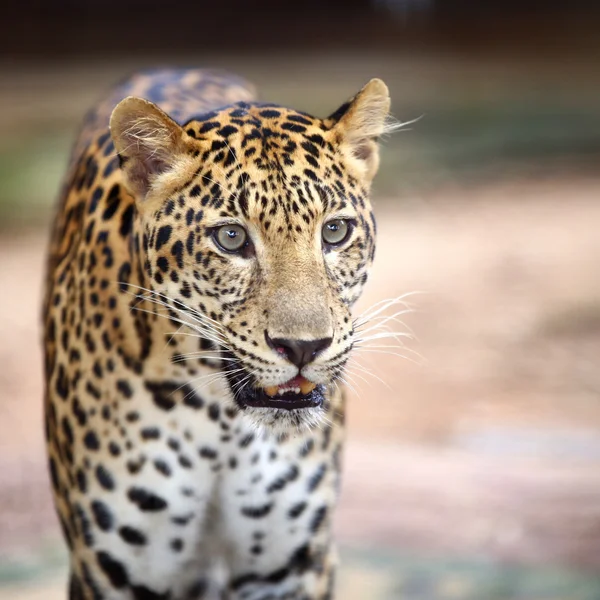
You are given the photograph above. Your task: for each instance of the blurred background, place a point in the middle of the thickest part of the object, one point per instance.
(473, 473)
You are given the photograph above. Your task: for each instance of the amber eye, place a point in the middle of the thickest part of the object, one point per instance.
(231, 238)
(337, 231)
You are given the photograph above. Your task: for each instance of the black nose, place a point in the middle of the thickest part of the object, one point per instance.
(299, 352)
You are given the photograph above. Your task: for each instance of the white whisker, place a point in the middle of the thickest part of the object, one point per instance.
(362, 368)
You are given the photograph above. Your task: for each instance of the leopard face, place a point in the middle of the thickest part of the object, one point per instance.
(256, 231)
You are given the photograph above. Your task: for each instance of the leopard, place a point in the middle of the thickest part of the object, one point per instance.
(204, 260)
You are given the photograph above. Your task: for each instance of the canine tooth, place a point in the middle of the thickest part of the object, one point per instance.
(271, 390)
(306, 387)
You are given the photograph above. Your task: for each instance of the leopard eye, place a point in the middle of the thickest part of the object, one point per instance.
(231, 238)
(336, 232)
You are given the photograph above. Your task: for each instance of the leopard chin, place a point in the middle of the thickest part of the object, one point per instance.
(282, 421)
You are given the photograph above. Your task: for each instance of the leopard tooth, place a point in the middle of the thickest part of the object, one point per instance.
(306, 387)
(271, 390)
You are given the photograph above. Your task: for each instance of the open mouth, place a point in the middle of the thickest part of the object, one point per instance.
(291, 395)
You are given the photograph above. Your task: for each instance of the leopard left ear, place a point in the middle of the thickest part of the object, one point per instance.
(359, 123)
(149, 143)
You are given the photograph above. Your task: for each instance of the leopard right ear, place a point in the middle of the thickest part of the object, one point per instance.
(149, 143)
(359, 123)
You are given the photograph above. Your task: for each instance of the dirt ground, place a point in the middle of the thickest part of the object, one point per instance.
(485, 442)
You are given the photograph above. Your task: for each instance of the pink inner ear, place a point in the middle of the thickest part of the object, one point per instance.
(363, 150)
(142, 167)
(155, 165)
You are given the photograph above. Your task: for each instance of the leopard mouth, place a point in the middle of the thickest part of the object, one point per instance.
(294, 394)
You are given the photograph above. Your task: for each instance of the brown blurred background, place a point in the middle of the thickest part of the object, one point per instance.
(474, 472)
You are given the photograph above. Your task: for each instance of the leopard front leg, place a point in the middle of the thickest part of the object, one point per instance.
(278, 502)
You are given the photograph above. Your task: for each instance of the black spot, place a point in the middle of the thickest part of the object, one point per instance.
(311, 174)
(79, 413)
(67, 430)
(310, 148)
(62, 383)
(307, 448)
(209, 453)
(124, 387)
(217, 145)
(279, 483)
(162, 467)
(177, 252)
(316, 138)
(297, 510)
(145, 500)
(162, 263)
(123, 277)
(189, 216)
(105, 479)
(270, 114)
(132, 416)
(169, 207)
(91, 440)
(102, 515)
(92, 390)
(206, 127)
(111, 167)
(301, 560)
(182, 520)
(150, 433)
(113, 569)
(257, 512)
(177, 544)
(316, 478)
(81, 480)
(84, 525)
(185, 462)
(163, 235)
(135, 466)
(132, 536)
(161, 394)
(112, 203)
(299, 119)
(293, 127)
(318, 518)
(96, 196)
(214, 411)
(227, 130)
(193, 400)
(246, 440)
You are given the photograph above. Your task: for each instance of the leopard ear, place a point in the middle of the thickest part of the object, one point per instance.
(359, 123)
(149, 143)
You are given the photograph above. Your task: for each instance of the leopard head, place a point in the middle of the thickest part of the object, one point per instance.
(256, 224)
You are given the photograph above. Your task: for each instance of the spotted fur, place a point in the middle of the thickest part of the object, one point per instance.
(167, 484)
